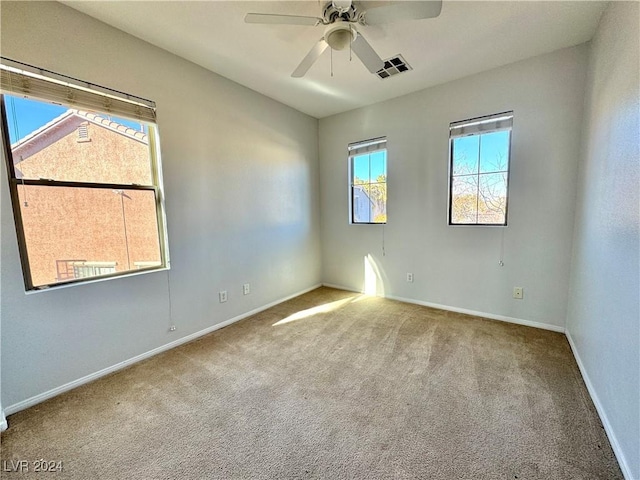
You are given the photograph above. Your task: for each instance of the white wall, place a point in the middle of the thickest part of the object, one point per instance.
(603, 319)
(459, 266)
(241, 182)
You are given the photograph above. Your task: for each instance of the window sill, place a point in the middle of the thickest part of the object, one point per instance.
(59, 286)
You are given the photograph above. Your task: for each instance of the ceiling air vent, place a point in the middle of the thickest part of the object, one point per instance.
(393, 66)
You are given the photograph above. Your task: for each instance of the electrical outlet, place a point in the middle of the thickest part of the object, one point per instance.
(172, 328)
(410, 277)
(223, 296)
(246, 289)
(518, 293)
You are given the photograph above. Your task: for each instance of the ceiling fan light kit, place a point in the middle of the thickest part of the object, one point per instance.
(341, 18)
(339, 35)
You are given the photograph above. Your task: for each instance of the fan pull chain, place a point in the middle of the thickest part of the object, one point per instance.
(331, 62)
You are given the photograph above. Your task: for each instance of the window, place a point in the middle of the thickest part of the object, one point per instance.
(479, 170)
(368, 181)
(84, 177)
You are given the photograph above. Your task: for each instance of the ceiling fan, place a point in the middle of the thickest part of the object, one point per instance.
(341, 19)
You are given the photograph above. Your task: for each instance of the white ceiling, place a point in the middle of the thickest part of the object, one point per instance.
(467, 37)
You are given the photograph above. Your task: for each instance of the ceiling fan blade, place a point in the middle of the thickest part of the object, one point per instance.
(408, 10)
(310, 59)
(281, 19)
(366, 54)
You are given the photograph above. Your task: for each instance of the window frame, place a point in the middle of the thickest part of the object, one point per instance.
(14, 182)
(478, 120)
(353, 152)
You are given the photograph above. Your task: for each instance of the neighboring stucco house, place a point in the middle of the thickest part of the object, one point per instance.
(364, 208)
(65, 237)
(362, 205)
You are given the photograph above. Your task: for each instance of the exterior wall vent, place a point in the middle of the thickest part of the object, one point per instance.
(393, 66)
(83, 133)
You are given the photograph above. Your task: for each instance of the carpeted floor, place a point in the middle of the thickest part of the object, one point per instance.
(331, 385)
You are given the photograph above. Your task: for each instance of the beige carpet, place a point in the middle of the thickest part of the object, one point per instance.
(358, 388)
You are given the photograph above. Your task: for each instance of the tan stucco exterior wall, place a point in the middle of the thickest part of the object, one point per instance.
(88, 224)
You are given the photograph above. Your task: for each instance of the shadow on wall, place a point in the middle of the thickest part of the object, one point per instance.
(373, 277)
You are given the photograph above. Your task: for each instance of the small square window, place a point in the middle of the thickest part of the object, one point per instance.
(479, 170)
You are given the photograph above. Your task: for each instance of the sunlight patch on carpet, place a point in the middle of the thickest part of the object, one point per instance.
(310, 312)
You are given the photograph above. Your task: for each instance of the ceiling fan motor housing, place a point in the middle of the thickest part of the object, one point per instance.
(333, 13)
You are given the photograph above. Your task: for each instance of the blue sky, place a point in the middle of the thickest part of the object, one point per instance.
(376, 161)
(493, 151)
(32, 114)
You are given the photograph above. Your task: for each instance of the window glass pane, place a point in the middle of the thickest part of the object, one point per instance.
(464, 199)
(379, 166)
(479, 170)
(73, 232)
(361, 204)
(361, 169)
(58, 143)
(378, 197)
(492, 198)
(465, 155)
(494, 152)
(378, 188)
(369, 186)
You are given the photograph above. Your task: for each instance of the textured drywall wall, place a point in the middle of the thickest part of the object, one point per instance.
(604, 305)
(241, 183)
(459, 266)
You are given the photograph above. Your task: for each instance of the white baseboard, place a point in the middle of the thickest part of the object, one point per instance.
(615, 446)
(492, 316)
(29, 402)
(341, 287)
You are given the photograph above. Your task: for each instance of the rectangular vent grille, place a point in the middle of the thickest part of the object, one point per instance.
(393, 66)
(83, 133)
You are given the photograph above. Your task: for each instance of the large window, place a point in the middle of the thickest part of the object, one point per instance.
(84, 178)
(368, 181)
(479, 170)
